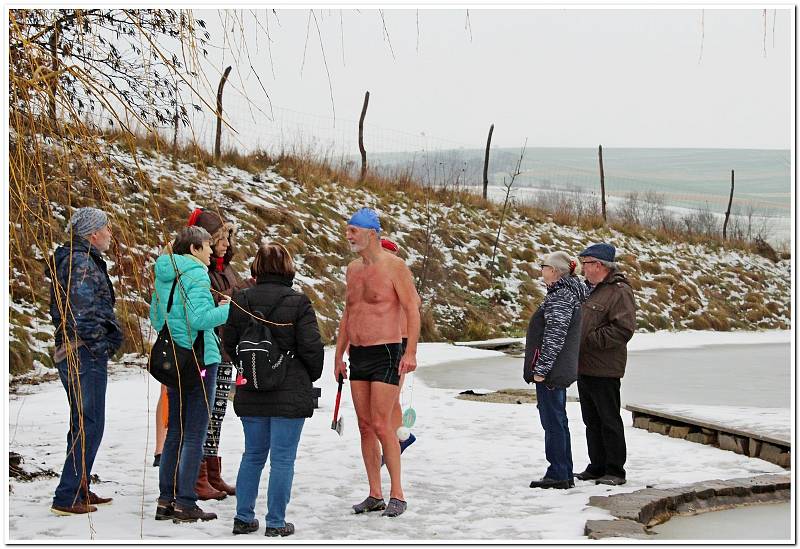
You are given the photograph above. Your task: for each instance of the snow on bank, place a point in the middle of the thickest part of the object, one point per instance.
(664, 339)
(773, 422)
(466, 477)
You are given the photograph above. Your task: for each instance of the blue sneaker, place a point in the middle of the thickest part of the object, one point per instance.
(407, 442)
(403, 445)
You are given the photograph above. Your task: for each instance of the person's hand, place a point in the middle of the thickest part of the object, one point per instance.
(224, 300)
(408, 363)
(537, 378)
(340, 367)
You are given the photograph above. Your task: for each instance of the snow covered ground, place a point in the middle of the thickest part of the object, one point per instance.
(466, 477)
(772, 422)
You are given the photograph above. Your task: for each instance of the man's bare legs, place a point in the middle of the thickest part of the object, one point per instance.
(374, 403)
(370, 447)
(397, 411)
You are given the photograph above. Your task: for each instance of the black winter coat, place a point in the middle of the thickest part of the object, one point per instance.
(294, 397)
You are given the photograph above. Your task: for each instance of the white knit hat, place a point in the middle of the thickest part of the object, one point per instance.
(560, 261)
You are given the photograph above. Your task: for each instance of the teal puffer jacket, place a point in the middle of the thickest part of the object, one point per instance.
(193, 306)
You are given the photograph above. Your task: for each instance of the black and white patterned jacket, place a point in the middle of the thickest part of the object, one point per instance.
(553, 340)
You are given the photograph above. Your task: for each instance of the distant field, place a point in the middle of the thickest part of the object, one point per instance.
(689, 178)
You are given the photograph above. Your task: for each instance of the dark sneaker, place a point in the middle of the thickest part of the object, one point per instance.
(369, 504)
(165, 511)
(407, 442)
(283, 531)
(611, 480)
(403, 445)
(553, 483)
(395, 508)
(242, 527)
(191, 514)
(77, 509)
(157, 460)
(94, 499)
(587, 475)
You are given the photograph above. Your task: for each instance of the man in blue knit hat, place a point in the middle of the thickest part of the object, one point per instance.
(380, 288)
(87, 334)
(608, 323)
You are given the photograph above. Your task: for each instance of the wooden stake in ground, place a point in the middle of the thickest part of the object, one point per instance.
(602, 184)
(219, 112)
(361, 137)
(486, 162)
(728, 213)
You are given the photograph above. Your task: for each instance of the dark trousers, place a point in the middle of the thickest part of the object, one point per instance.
(605, 434)
(85, 383)
(189, 412)
(224, 380)
(552, 405)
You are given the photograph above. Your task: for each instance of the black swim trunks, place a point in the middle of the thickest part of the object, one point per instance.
(376, 363)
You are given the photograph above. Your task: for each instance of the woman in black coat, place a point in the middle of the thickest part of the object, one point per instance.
(273, 420)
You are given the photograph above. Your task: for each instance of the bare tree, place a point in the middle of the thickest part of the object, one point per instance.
(506, 204)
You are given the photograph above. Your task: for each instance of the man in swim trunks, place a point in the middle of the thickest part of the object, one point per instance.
(379, 288)
(397, 411)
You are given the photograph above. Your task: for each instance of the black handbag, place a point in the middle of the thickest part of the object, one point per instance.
(173, 365)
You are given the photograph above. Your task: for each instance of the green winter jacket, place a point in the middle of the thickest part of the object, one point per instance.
(194, 289)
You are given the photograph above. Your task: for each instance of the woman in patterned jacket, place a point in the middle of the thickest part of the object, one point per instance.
(551, 361)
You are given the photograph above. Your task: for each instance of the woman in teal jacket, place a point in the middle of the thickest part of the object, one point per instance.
(192, 310)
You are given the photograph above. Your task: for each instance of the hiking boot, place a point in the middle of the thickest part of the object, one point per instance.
(281, 531)
(165, 511)
(77, 509)
(587, 475)
(369, 504)
(191, 514)
(242, 527)
(157, 460)
(94, 499)
(610, 480)
(214, 464)
(204, 490)
(395, 508)
(545, 482)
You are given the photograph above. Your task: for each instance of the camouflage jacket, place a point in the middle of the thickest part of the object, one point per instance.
(82, 299)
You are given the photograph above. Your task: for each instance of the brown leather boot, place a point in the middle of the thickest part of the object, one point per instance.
(204, 490)
(214, 475)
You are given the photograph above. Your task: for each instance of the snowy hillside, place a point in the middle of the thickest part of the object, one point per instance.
(677, 285)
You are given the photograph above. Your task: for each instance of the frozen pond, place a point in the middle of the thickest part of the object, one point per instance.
(753, 522)
(743, 375)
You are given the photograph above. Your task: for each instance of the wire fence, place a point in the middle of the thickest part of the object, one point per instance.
(685, 181)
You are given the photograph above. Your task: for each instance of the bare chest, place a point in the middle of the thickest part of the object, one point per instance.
(370, 285)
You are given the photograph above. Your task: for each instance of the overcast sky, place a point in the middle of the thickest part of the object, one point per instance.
(560, 78)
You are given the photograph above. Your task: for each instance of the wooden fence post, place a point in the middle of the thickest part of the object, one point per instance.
(728, 213)
(361, 137)
(219, 112)
(486, 162)
(602, 184)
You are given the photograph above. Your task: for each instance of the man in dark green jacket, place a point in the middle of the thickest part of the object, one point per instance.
(608, 323)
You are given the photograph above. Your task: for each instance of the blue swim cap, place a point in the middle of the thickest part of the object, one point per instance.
(366, 218)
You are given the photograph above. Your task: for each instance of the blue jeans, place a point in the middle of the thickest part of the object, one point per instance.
(262, 434)
(552, 405)
(85, 383)
(189, 413)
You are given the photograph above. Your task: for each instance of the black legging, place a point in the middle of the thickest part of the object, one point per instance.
(224, 380)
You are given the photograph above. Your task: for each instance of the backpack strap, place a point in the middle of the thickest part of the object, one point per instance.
(200, 333)
(270, 310)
